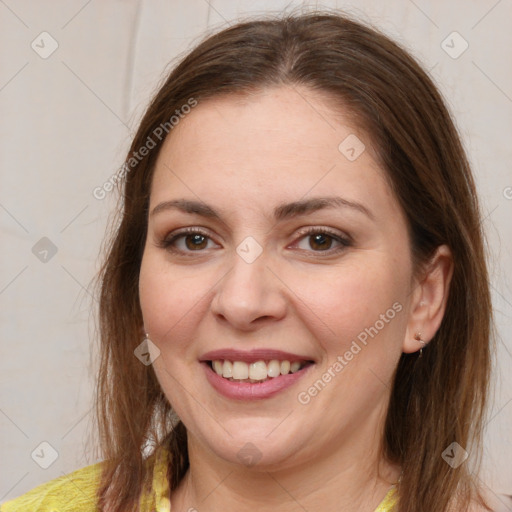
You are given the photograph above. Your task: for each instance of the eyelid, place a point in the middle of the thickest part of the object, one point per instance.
(328, 231)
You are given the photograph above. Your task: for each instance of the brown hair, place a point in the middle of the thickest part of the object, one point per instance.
(437, 399)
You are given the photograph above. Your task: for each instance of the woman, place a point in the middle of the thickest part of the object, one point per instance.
(299, 251)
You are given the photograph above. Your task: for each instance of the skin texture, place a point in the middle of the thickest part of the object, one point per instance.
(244, 156)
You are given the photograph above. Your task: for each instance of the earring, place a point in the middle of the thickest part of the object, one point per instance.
(417, 337)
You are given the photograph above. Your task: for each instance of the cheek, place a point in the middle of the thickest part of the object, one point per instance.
(346, 300)
(170, 302)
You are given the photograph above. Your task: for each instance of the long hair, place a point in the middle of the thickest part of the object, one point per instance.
(437, 399)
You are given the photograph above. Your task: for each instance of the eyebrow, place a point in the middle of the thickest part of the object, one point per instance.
(281, 212)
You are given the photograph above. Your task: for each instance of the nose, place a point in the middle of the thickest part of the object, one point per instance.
(249, 295)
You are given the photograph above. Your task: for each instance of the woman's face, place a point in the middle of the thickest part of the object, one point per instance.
(270, 278)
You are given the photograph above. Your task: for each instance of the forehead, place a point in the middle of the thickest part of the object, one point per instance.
(276, 142)
(277, 119)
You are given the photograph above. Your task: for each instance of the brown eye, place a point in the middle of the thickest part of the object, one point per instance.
(186, 241)
(320, 241)
(195, 242)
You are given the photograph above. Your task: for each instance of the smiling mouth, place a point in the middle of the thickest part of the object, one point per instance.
(257, 371)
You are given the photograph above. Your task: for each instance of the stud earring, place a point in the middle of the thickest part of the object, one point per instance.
(417, 337)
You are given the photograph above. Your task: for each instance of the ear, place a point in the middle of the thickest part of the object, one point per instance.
(429, 297)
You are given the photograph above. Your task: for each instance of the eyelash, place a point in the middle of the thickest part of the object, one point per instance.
(167, 243)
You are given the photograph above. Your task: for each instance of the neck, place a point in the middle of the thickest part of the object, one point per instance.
(353, 477)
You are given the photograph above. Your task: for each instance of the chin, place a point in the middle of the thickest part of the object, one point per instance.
(255, 449)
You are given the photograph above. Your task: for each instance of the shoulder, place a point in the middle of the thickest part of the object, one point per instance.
(75, 492)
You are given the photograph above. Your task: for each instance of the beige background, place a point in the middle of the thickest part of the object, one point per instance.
(66, 122)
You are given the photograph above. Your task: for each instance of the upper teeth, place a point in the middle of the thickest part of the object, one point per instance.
(257, 371)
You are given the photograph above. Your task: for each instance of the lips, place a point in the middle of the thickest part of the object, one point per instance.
(254, 374)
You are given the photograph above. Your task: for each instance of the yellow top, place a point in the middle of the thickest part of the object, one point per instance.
(76, 492)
